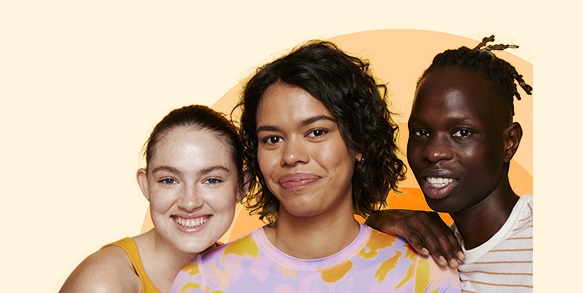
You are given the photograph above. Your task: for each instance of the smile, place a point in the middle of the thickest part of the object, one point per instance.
(437, 187)
(438, 182)
(191, 223)
(296, 181)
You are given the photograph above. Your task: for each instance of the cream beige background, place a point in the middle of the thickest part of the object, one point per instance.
(83, 83)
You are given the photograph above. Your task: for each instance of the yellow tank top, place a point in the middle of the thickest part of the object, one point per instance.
(131, 249)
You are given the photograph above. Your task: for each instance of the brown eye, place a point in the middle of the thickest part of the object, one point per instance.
(462, 133)
(421, 132)
(272, 139)
(317, 132)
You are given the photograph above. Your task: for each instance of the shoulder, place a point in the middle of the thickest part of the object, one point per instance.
(245, 245)
(235, 251)
(523, 214)
(526, 203)
(398, 255)
(383, 240)
(107, 270)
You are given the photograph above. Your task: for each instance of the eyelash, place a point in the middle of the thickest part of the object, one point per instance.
(215, 181)
(165, 181)
(267, 139)
(421, 132)
(425, 133)
(467, 133)
(321, 131)
(312, 133)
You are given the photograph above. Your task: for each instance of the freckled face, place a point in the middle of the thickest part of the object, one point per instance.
(191, 183)
(456, 147)
(305, 161)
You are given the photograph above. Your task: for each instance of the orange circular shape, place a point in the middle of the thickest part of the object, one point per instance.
(398, 57)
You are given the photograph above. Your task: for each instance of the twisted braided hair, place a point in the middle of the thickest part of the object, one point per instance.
(481, 62)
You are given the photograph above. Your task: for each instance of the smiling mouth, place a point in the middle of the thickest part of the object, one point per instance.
(191, 223)
(438, 182)
(297, 180)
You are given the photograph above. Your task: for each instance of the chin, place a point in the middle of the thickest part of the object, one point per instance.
(198, 248)
(439, 205)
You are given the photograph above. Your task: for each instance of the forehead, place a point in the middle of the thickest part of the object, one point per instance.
(189, 145)
(451, 90)
(290, 103)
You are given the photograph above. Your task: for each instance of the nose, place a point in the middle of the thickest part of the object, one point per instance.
(294, 152)
(438, 148)
(189, 198)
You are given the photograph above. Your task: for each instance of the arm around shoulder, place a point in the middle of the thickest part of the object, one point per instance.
(425, 231)
(108, 270)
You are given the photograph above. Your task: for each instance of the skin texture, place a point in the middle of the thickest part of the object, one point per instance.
(308, 166)
(460, 145)
(189, 177)
(191, 181)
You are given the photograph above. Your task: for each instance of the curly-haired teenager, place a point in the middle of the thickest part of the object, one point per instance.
(319, 146)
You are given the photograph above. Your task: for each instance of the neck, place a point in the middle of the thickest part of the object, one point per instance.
(162, 261)
(313, 237)
(480, 222)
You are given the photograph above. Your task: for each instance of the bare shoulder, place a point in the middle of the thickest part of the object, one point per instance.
(107, 270)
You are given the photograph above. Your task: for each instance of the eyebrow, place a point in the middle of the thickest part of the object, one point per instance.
(449, 120)
(201, 172)
(213, 168)
(166, 168)
(302, 123)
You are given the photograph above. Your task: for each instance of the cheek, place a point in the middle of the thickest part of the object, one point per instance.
(161, 202)
(335, 158)
(267, 161)
(414, 153)
(479, 162)
(223, 203)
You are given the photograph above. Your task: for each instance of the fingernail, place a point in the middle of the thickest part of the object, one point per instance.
(424, 251)
(461, 255)
(453, 263)
(442, 260)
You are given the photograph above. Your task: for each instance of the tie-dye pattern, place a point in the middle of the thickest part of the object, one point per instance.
(373, 262)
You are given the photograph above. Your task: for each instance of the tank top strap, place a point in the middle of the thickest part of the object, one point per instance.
(131, 249)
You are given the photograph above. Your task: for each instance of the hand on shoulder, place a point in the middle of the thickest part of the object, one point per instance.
(425, 231)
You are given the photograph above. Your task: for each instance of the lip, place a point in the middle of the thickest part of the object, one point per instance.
(190, 223)
(437, 184)
(296, 181)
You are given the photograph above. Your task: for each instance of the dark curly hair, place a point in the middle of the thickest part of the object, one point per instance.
(346, 87)
(481, 62)
(202, 117)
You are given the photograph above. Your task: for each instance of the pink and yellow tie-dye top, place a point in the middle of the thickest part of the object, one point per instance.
(373, 262)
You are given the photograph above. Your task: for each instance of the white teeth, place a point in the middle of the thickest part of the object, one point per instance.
(438, 181)
(190, 223)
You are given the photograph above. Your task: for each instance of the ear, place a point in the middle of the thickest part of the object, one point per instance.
(359, 157)
(142, 177)
(512, 137)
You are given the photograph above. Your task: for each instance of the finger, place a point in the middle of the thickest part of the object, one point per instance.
(448, 242)
(428, 231)
(416, 243)
(431, 242)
